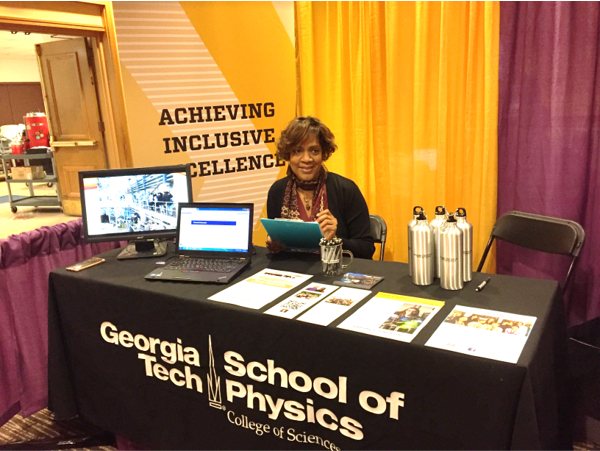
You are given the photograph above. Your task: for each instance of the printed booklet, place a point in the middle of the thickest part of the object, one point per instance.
(357, 280)
(392, 316)
(484, 333)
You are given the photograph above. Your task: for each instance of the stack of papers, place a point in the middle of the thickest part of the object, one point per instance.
(301, 300)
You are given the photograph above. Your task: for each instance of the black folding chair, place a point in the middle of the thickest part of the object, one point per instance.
(540, 233)
(379, 232)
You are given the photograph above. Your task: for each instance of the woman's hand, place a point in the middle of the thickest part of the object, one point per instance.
(274, 246)
(328, 224)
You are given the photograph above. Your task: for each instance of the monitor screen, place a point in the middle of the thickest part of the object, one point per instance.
(134, 204)
(218, 228)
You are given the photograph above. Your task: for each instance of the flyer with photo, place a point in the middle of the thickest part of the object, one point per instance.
(484, 333)
(393, 316)
(261, 288)
(334, 306)
(301, 300)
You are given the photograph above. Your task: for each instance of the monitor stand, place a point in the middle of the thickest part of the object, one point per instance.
(143, 249)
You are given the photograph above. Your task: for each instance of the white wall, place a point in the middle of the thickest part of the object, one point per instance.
(18, 61)
(19, 70)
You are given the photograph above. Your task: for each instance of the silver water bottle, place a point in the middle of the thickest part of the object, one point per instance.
(451, 253)
(421, 242)
(436, 225)
(416, 212)
(467, 229)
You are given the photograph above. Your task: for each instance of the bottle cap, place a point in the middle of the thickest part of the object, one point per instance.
(440, 210)
(417, 211)
(422, 216)
(461, 212)
(451, 218)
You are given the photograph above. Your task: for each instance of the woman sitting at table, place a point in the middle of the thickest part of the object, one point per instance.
(311, 193)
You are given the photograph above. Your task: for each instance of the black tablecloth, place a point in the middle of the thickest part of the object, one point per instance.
(450, 400)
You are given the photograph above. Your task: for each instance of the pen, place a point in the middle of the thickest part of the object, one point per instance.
(482, 285)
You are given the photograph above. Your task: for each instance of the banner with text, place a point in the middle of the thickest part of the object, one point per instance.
(211, 84)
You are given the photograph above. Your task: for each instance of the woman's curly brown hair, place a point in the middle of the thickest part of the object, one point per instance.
(299, 130)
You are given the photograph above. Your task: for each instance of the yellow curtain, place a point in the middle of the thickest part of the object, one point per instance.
(410, 90)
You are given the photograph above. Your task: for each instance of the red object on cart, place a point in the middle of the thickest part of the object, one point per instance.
(37, 129)
(17, 147)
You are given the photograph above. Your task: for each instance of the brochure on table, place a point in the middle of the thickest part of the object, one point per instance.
(484, 333)
(302, 300)
(358, 280)
(393, 316)
(334, 306)
(258, 290)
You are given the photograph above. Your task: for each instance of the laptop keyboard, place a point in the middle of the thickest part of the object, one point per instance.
(205, 264)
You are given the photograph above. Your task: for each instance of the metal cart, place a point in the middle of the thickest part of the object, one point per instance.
(4, 148)
(32, 200)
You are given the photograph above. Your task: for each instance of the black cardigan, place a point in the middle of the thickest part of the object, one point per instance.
(346, 204)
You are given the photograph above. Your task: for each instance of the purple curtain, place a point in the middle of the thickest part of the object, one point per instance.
(25, 262)
(549, 136)
(10, 389)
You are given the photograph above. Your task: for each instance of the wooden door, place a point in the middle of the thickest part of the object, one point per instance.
(73, 115)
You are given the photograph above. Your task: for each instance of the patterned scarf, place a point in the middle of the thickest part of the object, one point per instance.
(290, 208)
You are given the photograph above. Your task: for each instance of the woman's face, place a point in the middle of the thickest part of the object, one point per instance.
(306, 159)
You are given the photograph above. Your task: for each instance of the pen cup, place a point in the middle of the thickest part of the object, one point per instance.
(331, 259)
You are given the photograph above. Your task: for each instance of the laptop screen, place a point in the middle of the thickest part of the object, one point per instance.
(215, 228)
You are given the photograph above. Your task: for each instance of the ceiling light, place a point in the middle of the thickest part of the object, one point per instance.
(27, 33)
(13, 32)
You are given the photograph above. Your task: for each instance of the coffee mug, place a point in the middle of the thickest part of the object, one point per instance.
(331, 259)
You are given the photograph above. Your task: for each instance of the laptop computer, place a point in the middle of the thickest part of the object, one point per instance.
(214, 243)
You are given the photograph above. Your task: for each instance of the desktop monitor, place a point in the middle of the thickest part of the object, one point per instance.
(138, 205)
